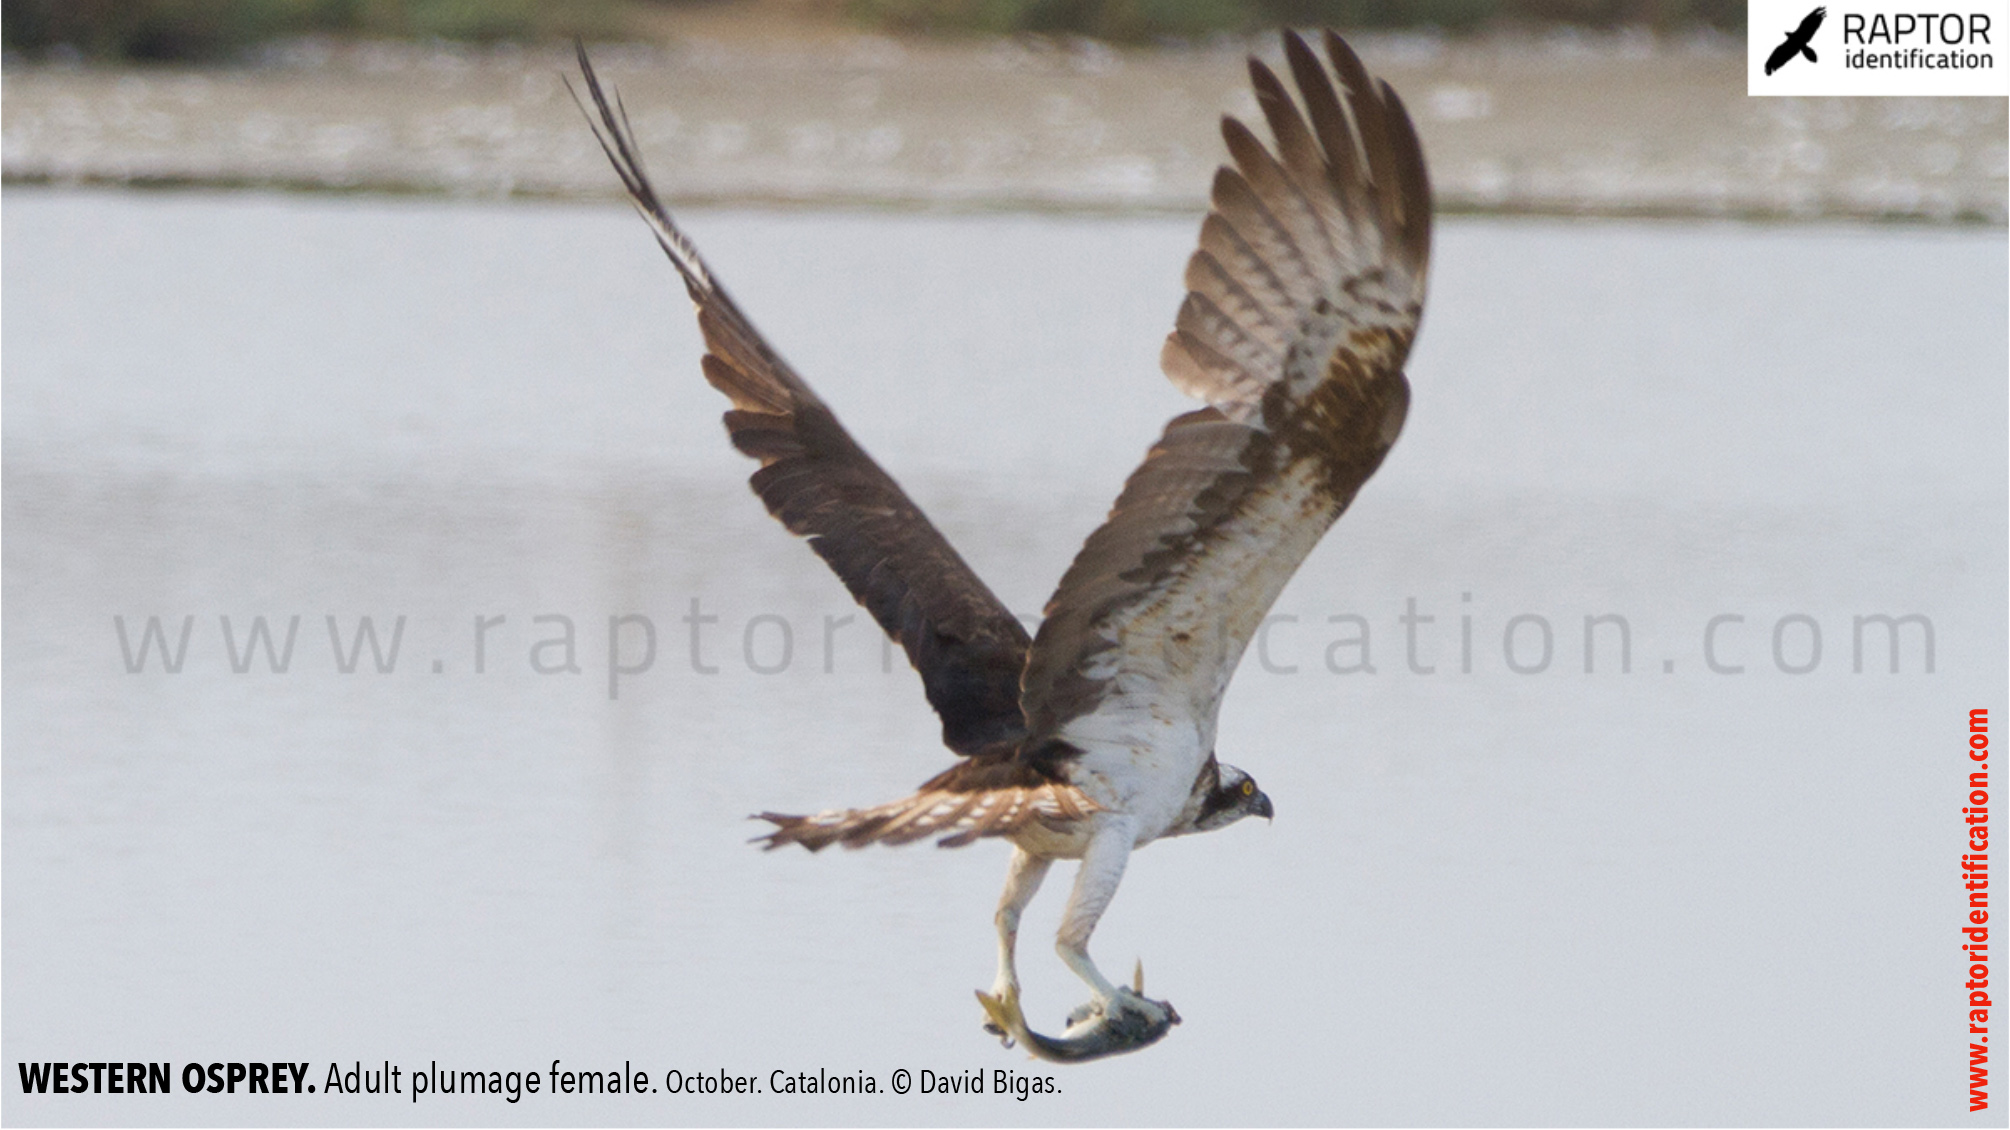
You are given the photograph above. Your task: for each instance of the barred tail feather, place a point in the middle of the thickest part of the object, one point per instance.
(958, 817)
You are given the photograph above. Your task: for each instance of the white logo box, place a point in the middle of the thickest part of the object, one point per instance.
(1907, 48)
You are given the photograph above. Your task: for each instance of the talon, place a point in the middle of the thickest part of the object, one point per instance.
(1005, 1022)
(991, 1023)
(1138, 978)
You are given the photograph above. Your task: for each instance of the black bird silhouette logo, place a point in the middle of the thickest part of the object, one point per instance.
(1797, 42)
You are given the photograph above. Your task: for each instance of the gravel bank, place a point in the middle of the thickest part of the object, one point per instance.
(1603, 125)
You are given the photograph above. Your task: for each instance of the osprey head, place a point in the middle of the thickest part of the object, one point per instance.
(1233, 797)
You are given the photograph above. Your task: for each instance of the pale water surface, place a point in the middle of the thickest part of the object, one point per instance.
(1659, 895)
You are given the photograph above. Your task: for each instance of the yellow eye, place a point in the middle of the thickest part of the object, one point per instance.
(1249, 788)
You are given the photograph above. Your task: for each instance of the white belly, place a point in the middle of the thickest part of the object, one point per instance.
(1139, 759)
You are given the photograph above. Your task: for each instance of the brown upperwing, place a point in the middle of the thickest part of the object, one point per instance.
(968, 649)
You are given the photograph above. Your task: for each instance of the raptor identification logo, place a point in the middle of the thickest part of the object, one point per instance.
(1909, 48)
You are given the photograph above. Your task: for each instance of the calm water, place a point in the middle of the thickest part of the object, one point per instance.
(1500, 888)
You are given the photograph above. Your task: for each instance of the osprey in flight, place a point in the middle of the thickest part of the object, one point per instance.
(1095, 736)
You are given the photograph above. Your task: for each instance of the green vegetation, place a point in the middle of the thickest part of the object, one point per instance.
(1138, 20)
(210, 29)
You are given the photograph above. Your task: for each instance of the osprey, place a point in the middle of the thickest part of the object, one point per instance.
(1095, 736)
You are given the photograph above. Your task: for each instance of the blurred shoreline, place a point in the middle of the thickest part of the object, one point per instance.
(1559, 122)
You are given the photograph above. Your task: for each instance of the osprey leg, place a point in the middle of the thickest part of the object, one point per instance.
(1022, 880)
(1116, 1020)
(1095, 885)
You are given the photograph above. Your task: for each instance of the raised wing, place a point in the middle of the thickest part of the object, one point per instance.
(969, 650)
(1302, 302)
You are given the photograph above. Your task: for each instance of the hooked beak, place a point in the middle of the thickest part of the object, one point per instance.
(1262, 807)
